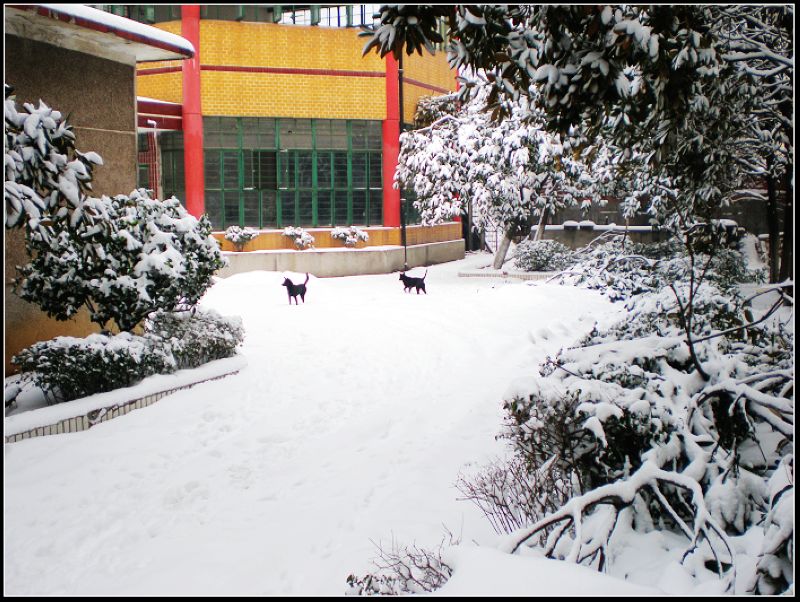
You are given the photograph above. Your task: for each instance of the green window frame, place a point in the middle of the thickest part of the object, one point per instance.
(276, 172)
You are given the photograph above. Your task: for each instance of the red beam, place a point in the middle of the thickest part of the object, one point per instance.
(192, 114)
(391, 144)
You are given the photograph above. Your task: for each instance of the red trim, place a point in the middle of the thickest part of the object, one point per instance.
(158, 70)
(54, 13)
(280, 70)
(162, 123)
(192, 114)
(293, 71)
(157, 108)
(413, 82)
(391, 144)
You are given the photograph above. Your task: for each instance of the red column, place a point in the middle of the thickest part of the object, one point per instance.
(391, 144)
(192, 115)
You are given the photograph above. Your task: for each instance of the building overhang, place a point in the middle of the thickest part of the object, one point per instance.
(92, 31)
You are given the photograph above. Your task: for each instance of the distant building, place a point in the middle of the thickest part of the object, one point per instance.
(281, 121)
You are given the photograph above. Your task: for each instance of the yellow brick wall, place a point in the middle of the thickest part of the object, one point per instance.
(230, 43)
(428, 69)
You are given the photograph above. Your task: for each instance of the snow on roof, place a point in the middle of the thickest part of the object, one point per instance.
(128, 31)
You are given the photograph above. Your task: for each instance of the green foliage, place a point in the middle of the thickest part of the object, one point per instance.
(67, 368)
(194, 338)
(542, 256)
(144, 255)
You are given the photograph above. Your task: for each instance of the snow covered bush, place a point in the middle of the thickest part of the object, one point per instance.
(120, 257)
(302, 239)
(350, 235)
(403, 571)
(542, 256)
(197, 337)
(240, 236)
(660, 422)
(144, 255)
(45, 175)
(67, 368)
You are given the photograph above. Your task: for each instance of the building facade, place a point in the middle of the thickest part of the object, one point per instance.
(279, 120)
(82, 62)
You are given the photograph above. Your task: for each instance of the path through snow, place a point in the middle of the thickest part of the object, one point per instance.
(349, 425)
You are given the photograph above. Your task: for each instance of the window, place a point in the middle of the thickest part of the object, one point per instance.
(267, 172)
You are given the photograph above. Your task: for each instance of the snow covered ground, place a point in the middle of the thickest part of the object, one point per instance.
(348, 426)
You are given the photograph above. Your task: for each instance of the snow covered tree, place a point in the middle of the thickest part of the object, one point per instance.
(660, 81)
(504, 175)
(120, 257)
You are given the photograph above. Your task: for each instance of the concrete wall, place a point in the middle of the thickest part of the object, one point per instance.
(99, 97)
(576, 239)
(344, 262)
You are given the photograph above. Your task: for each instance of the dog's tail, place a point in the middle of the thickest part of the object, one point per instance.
(426, 273)
(306, 280)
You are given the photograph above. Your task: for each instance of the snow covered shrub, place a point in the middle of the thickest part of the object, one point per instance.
(350, 235)
(144, 255)
(542, 256)
(677, 418)
(120, 257)
(302, 239)
(44, 172)
(240, 236)
(67, 368)
(514, 493)
(197, 337)
(404, 571)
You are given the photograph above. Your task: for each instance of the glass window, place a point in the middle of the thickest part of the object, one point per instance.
(287, 208)
(267, 170)
(251, 206)
(359, 170)
(212, 171)
(269, 211)
(359, 206)
(324, 169)
(231, 208)
(305, 169)
(340, 169)
(214, 208)
(296, 133)
(324, 207)
(306, 207)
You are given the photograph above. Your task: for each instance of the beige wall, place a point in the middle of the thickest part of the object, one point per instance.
(100, 98)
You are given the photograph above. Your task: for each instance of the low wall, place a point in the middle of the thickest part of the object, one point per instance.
(274, 240)
(578, 238)
(324, 263)
(82, 414)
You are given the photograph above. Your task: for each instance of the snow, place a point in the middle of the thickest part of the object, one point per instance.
(481, 571)
(121, 23)
(348, 425)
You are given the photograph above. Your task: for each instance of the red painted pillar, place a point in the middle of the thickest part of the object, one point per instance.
(192, 115)
(391, 144)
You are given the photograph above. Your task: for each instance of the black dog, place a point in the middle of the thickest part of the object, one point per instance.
(295, 289)
(410, 282)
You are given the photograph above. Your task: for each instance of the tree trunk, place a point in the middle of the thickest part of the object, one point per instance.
(772, 224)
(787, 268)
(502, 250)
(542, 223)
